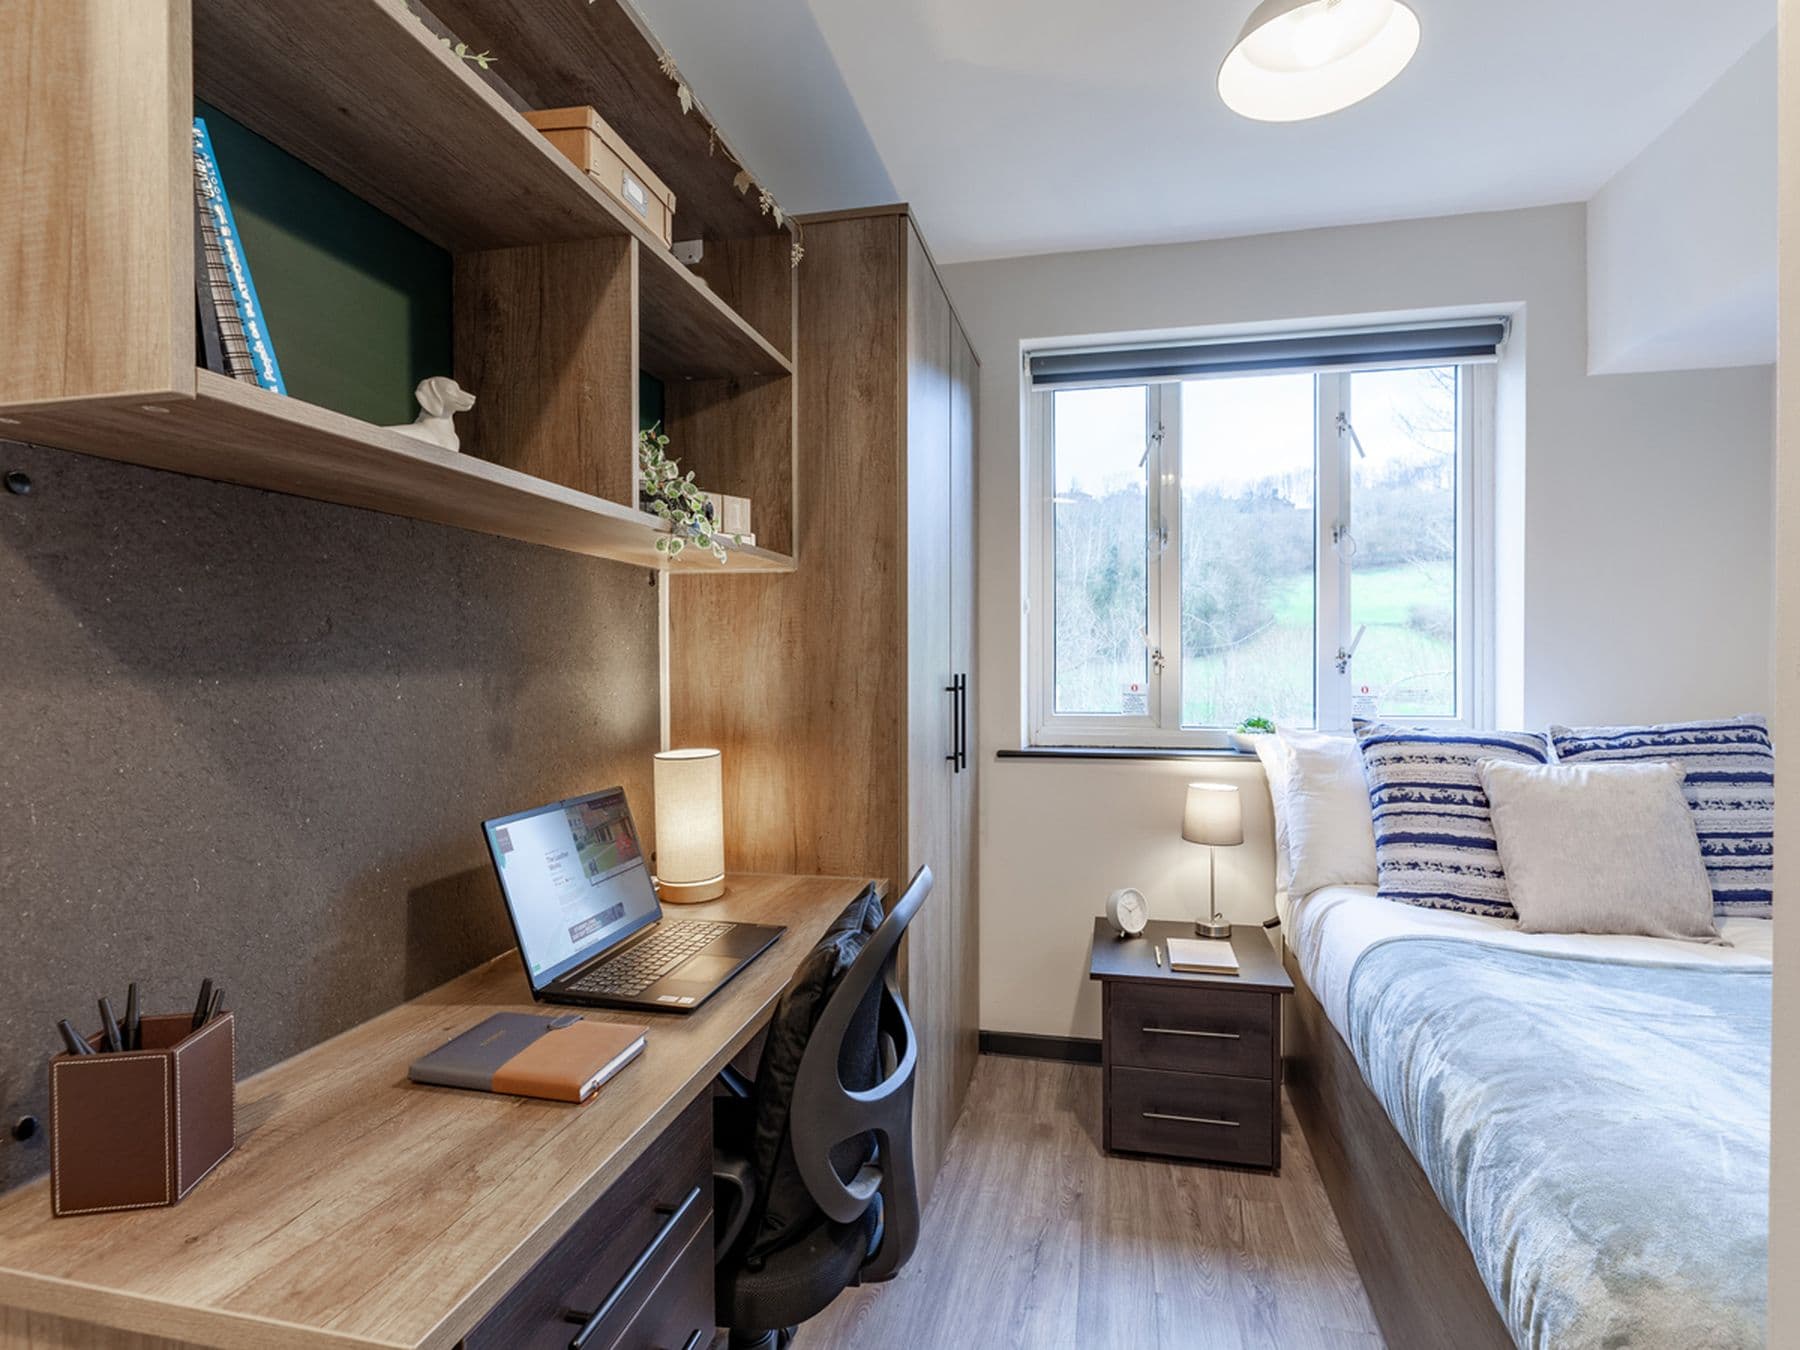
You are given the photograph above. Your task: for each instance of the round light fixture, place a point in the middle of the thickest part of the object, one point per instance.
(1304, 58)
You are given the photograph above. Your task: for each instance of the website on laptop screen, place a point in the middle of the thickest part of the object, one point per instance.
(574, 877)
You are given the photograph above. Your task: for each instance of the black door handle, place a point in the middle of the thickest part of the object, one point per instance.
(590, 1322)
(958, 689)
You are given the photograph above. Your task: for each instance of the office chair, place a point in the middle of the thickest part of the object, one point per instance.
(786, 1250)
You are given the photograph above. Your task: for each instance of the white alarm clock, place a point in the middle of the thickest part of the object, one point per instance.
(1127, 911)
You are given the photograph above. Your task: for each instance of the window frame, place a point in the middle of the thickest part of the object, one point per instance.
(1160, 727)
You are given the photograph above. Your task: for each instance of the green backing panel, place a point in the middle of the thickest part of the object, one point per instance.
(650, 400)
(357, 304)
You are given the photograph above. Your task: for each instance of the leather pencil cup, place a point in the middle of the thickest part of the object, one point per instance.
(137, 1129)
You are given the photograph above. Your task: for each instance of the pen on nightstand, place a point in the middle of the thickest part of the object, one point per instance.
(72, 1038)
(133, 1028)
(110, 1025)
(1157, 948)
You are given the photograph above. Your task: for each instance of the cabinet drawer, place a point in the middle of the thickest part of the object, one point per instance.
(1191, 1030)
(646, 1222)
(1193, 1115)
(678, 1315)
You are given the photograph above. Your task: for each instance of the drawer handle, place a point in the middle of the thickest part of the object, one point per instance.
(1189, 1120)
(1203, 1035)
(591, 1322)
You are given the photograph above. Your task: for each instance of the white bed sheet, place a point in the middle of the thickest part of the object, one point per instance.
(1330, 929)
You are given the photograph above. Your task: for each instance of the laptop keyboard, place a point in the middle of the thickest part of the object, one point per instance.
(637, 968)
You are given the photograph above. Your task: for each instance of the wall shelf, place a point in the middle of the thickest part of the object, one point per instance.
(365, 92)
(236, 433)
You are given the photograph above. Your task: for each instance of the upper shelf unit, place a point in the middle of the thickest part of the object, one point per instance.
(99, 270)
(365, 92)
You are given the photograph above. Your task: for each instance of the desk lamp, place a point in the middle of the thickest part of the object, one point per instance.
(690, 826)
(1214, 817)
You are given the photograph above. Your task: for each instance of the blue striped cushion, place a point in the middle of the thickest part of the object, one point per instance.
(1730, 789)
(1434, 838)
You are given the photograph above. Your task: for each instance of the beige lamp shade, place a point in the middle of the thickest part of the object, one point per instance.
(1214, 815)
(690, 826)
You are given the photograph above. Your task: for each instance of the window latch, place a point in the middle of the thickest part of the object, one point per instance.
(1346, 655)
(1156, 659)
(1346, 427)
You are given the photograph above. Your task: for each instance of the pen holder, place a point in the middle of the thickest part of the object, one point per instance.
(136, 1129)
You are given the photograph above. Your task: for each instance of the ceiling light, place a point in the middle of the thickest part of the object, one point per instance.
(1304, 58)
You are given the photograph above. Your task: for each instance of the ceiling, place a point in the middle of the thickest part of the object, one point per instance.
(1029, 126)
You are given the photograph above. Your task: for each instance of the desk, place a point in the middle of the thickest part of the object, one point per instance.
(363, 1210)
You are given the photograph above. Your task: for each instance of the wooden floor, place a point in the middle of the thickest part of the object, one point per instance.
(1034, 1237)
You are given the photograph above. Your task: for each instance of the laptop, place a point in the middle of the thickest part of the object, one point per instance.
(586, 918)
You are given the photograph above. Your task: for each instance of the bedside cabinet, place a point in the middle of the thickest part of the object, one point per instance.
(1191, 1063)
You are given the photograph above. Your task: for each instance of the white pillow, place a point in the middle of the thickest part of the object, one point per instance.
(1274, 757)
(1331, 827)
(1600, 848)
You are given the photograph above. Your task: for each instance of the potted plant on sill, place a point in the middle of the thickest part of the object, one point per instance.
(665, 492)
(1244, 737)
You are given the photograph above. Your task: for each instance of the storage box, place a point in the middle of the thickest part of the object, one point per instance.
(584, 137)
(736, 519)
(137, 1129)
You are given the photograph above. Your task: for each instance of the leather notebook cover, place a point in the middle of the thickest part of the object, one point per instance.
(563, 1059)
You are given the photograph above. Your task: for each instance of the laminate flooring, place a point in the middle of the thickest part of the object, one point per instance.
(1035, 1237)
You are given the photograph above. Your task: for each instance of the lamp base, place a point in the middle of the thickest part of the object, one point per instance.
(691, 892)
(1212, 928)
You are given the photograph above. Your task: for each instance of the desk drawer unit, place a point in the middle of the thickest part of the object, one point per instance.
(634, 1266)
(1191, 1030)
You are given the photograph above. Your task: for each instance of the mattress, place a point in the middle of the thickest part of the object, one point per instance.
(1330, 930)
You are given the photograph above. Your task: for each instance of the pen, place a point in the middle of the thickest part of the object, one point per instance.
(206, 989)
(73, 1039)
(212, 1008)
(134, 1024)
(110, 1025)
(1157, 948)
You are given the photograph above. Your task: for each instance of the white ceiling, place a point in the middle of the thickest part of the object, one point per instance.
(1027, 126)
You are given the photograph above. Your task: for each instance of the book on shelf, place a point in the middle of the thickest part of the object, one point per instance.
(209, 345)
(1203, 956)
(247, 350)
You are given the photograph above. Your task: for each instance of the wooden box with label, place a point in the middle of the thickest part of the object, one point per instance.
(593, 146)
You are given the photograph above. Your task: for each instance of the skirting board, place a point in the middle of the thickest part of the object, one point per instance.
(1070, 1049)
(1415, 1266)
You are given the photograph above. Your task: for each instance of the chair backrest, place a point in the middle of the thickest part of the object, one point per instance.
(826, 1112)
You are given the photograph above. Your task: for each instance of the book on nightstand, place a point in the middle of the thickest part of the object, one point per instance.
(1203, 956)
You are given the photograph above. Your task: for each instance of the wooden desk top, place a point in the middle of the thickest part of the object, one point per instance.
(364, 1210)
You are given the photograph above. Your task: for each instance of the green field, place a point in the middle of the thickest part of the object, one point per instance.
(1410, 669)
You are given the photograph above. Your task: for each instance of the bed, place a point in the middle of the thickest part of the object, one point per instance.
(1542, 1140)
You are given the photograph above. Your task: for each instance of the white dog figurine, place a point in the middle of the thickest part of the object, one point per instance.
(439, 397)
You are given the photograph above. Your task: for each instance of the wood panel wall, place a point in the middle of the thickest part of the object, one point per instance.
(253, 737)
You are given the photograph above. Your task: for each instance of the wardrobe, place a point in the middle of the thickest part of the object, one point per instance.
(842, 695)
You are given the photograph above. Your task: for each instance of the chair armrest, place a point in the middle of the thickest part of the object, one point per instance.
(734, 1196)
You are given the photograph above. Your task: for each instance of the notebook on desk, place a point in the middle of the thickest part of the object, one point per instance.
(1203, 956)
(563, 1059)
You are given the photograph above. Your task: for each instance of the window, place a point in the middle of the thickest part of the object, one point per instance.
(1301, 544)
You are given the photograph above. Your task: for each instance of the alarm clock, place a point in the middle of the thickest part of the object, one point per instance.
(1127, 911)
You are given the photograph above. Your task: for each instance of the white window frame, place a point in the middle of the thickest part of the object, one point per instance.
(1332, 697)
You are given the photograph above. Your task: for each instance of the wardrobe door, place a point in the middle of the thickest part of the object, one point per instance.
(932, 976)
(965, 373)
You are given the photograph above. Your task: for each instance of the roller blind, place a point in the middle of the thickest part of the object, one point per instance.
(1427, 344)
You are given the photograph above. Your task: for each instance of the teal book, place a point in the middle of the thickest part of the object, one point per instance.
(221, 229)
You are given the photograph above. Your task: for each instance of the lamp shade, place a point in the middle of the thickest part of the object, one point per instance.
(1304, 58)
(1214, 815)
(690, 826)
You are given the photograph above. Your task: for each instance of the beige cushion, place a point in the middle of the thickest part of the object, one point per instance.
(1600, 848)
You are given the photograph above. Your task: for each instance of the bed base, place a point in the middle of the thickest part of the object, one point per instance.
(1415, 1266)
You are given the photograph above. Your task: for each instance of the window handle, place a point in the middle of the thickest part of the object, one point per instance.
(1348, 654)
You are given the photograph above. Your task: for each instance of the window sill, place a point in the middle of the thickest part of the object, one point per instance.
(1080, 752)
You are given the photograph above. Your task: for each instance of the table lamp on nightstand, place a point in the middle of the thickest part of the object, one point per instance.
(1214, 817)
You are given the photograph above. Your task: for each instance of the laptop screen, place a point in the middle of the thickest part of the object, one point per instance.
(574, 879)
